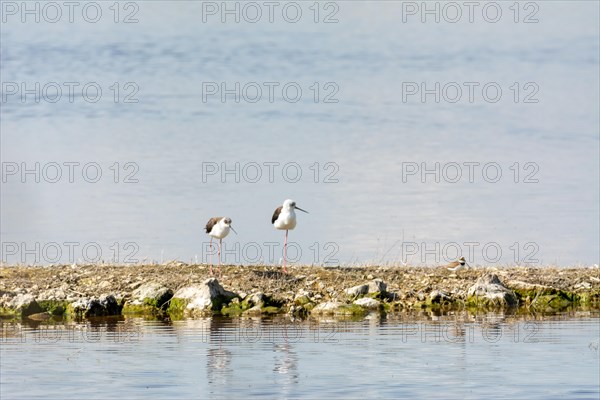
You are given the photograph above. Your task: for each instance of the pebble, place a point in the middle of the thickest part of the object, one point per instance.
(368, 303)
(327, 307)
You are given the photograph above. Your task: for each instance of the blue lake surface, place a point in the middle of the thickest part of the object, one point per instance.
(408, 140)
(159, 139)
(423, 355)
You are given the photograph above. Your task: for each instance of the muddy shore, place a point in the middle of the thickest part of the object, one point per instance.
(180, 290)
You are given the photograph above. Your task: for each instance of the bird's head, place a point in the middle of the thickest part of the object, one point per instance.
(227, 222)
(291, 205)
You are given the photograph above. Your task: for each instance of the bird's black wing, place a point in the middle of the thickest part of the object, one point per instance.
(276, 214)
(212, 222)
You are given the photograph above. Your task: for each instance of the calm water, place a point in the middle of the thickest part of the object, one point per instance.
(425, 356)
(151, 144)
(358, 133)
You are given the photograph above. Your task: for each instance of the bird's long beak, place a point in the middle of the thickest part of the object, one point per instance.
(233, 229)
(298, 208)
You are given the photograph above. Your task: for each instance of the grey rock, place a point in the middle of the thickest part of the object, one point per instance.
(206, 297)
(393, 296)
(53, 294)
(105, 305)
(256, 299)
(328, 307)
(153, 294)
(40, 316)
(368, 303)
(302, 297)
(25, 304)
(356, 291)
(377, 285)
(491, 288)
(437, 296)
(256, 310)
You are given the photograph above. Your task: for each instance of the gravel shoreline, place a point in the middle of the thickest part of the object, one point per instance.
(71, 289)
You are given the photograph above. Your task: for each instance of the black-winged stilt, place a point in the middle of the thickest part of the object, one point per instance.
(218, 228)
(284, 218)
(457, 265)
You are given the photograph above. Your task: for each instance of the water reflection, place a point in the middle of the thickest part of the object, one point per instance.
(281, 330)
(224, 335)
(286, 361)
(286, 368)
(218, 357)
(280, 357)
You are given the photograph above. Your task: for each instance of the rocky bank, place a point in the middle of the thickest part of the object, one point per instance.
(178, 290)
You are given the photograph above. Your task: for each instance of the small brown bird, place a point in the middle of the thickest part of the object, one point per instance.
(218, 228)
(457, 265)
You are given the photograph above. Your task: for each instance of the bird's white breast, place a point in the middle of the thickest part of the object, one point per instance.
(286, 220)
(219, 231)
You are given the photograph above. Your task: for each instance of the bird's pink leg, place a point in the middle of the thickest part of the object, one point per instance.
(220, 244)
(210, 265)
(285, 251)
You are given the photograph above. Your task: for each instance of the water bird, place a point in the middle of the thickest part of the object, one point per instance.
(218, 228)
(457, 265)
(284, 218)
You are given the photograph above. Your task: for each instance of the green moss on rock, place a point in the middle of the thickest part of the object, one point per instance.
(218, 302)
(176, 308)
(377, 295)
(549, 298)
(234, 308)
(485, 302)
(590, 298)
(352, 309)
(8, 312)
(302, 300)
(139, 309)
(54, 307)
(271, 310)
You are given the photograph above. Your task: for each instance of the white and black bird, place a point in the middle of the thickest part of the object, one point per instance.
(284, 218)
(457, 265)
(218, 228)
